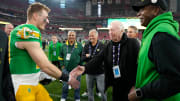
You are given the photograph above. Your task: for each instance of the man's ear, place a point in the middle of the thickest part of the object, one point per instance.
(156, 11)
(35, 16)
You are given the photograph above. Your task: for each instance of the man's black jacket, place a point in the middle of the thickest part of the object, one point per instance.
(6, 87)
(100, 68)
(128, 61)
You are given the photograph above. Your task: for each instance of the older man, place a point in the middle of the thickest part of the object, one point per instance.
(70, 57)
(91, 49)
(158, 74)
(8, 28)
(120, 62)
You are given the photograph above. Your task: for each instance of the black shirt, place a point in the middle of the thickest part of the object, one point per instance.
(127, 64)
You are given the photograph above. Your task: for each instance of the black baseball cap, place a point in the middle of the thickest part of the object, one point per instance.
(142, 3)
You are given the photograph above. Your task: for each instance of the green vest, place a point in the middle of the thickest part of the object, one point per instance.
(20, 61)
(54, 50)
(146, 72)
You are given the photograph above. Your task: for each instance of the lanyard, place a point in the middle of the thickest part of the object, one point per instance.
(90, 49)
(54, 46)
(114, 54)
(72, 49)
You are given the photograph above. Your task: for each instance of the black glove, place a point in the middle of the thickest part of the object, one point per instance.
(64, 77)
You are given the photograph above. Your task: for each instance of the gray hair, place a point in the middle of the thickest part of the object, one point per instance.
(71, 32)
(94, 31)
(121, 26)
(135, 28)
(118, 24)
(6, 25)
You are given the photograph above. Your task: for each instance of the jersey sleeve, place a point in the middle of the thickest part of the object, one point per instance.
(27, 34)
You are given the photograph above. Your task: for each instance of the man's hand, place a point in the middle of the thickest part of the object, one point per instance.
(73, 82)
(87, 55)
(74, 74)
(77, 71)
(132, 88)
(132, 95)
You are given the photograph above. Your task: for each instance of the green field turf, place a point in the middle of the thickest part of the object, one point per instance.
(54, 89)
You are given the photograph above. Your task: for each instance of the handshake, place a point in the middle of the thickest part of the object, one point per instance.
(71, 78)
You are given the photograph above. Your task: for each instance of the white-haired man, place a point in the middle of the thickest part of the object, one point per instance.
(120, 62)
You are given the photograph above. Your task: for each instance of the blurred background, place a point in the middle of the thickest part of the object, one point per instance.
(81, 16)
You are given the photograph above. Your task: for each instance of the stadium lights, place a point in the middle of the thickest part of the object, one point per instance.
(127, 22)
(71, 29)
(106, 28)
(3, 22)
(103, 28)
(141, 27)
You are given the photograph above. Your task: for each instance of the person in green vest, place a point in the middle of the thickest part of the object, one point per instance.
(70, 57)
(158, 74)
(54, 50)
(53, 53)
(27, 57)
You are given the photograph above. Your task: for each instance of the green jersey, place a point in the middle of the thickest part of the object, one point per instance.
(20, 61)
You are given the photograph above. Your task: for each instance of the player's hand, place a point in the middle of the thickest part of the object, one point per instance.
(73, 82)
(77, 71)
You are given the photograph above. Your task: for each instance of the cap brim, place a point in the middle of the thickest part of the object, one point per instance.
(137, 8)
(139, 5)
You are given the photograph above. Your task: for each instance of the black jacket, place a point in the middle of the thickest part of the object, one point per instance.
(128, 61)
(6, 87)
(100, 68)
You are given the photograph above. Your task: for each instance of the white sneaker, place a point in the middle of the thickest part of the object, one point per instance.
(77, 100)
(84, 94)
(69, 87)
(63, 100)
(98, 94)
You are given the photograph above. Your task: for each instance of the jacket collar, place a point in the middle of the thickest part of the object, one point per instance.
(163, 18)
(67, 43)
(123, 39)
(91, 43)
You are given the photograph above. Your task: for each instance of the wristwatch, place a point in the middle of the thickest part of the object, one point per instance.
(139, 93)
